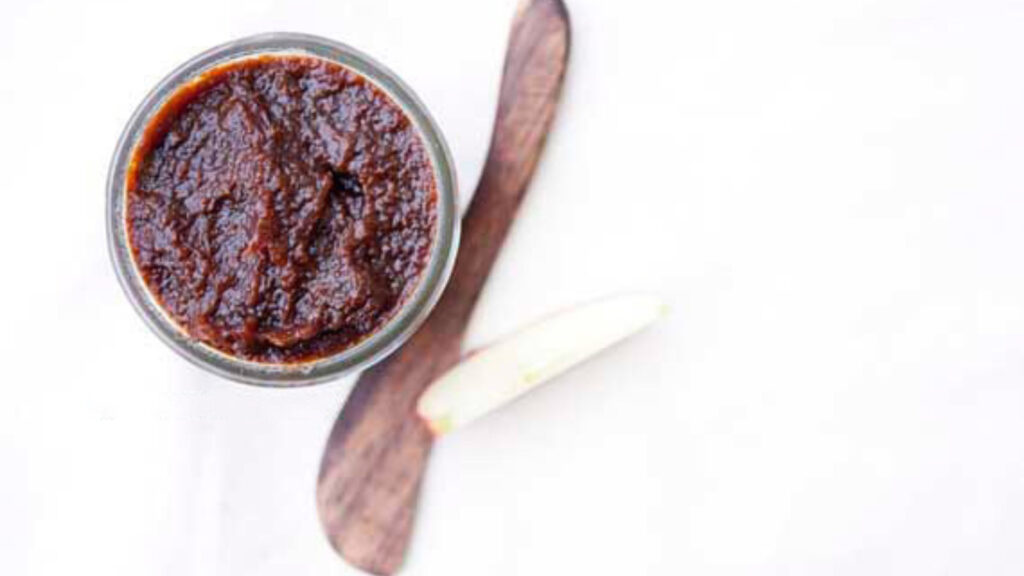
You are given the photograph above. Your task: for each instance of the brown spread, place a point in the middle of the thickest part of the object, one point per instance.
(281, 208)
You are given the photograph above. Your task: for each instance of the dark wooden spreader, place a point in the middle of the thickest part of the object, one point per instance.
(377, 452)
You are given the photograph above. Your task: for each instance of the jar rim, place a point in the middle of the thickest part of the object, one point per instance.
(378, 344)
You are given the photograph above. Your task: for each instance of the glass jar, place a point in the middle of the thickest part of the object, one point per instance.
(381, 342)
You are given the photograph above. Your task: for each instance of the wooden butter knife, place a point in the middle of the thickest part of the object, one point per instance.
(377, 451)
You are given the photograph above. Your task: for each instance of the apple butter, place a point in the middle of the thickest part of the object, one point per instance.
(281, 208)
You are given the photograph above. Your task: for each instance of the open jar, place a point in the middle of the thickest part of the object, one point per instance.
(413, 307)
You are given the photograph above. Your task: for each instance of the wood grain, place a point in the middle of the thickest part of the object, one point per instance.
(377, 452)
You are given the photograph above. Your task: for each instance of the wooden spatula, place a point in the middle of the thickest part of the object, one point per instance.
(377, 452)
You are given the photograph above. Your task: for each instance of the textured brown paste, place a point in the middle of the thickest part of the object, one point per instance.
(281, 208)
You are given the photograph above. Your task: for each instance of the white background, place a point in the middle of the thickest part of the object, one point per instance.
(828, 193)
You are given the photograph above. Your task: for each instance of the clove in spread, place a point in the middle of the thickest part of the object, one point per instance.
(281, 208)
